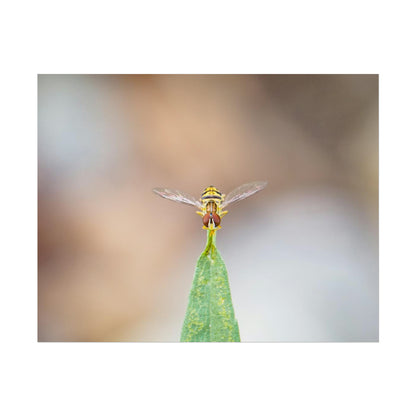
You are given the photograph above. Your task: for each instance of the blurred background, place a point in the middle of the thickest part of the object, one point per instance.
(116, 261)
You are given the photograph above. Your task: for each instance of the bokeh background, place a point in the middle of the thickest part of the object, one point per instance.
(116, 261)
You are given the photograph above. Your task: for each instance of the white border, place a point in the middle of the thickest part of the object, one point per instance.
(216, 37)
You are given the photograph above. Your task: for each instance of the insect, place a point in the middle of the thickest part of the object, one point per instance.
(212, 202)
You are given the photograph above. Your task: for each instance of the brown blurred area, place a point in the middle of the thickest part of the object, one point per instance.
(115, 261)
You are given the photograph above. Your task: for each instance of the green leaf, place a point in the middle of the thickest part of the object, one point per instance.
(210, 314)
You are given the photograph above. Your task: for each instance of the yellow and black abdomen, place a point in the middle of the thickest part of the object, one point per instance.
(212, 194)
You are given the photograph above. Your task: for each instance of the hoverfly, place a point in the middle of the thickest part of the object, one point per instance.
(212, 202)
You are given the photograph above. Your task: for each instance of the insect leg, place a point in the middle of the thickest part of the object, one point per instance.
(223, 213)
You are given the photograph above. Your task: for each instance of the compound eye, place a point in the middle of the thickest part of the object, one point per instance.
(216, 218)
(205, 219)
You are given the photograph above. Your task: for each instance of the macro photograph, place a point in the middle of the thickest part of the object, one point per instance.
(208, 208)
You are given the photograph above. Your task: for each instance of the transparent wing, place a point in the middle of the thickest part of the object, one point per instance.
(177, 196)
(242, 192)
